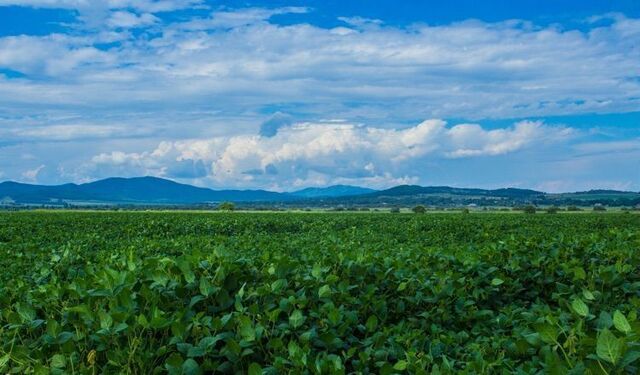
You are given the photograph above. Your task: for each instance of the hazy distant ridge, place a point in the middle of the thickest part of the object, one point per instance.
(153, 190)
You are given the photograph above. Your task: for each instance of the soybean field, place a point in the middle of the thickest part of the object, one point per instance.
(319, 293)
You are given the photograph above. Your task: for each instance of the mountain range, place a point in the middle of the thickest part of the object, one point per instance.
(158, 191)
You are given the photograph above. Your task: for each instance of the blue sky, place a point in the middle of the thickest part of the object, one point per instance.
(288, 94)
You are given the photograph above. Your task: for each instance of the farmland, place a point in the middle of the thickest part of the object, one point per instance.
(330, 293)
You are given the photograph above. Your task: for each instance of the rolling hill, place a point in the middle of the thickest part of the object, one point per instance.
(158, 191)
(147, 190)
(332, 191)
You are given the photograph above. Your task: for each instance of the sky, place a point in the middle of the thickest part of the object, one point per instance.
(283, 95)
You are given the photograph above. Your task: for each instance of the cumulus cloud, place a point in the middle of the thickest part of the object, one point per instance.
(270, 127)
(330, 151)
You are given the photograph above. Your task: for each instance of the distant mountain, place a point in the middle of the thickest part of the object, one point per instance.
(403, 190)
(332, 191)
(151, 190)
(158, 191)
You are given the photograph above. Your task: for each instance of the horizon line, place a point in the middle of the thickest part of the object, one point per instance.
(319, 187)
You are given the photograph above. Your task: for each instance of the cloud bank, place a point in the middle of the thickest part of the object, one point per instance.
(233, 97)
(321, 153)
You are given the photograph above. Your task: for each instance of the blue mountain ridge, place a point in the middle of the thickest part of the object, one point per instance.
(157, 191)
(154, 190)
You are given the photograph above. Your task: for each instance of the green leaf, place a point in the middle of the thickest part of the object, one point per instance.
(579, 273)
(496, 281)
(316, 271)
(324, 291)
(548, 333)
(188, 274)
(190, 367)
(580, 307)
(106, 321)
(195, 351)
(604, 320)
(27, 314)
(246, 330)
(386, 369)
(609, 347)
(296, 319)
(294, 349)
(63, 337)
(255, 369)
(58, 361)
(400, 365)
(205, 286)
(620, 322)
(4, 360)
(209, 341)
(278, 285)
(588, 295)
(174, 364)
(402, 286)
(372, 323)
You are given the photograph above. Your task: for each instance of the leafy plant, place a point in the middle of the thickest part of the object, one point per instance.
(319, 293)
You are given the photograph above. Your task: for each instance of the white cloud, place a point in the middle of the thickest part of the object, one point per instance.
(215, 78)
(54, 55)
(98, 14)
(619, 147)
(222, 19)
(124, 19)
(238, 61)
(31, 175)
(141, 5)
(68, 132)
(330, 152)
(472, 140)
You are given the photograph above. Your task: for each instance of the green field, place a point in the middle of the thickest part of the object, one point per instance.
(319, 293)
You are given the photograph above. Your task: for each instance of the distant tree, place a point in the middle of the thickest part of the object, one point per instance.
(573, 208)
(530, 209)
(599, 207)
(465, 210)
(226, 206)
(7, 201)
(395, 210)
(552, 210)
(419, 209)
